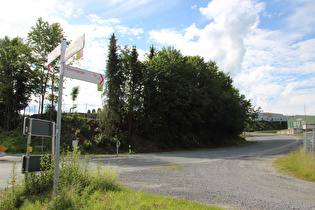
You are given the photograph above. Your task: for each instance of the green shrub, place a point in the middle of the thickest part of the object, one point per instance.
(85, 130)
(87, 145)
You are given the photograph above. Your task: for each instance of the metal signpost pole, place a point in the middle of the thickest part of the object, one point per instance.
(28, 149)
(53, 139)
(62, 65)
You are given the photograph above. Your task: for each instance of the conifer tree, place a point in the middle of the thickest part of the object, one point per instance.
(113, 92)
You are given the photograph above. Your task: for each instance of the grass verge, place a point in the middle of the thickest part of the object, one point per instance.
(297, 164)
(266, 131)
(82, 188)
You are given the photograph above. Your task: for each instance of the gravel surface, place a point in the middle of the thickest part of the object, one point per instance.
(240, 183)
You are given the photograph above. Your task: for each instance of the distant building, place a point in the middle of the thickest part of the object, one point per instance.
(302, 122)
(265, 116)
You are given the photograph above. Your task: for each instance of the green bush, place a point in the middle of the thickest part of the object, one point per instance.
(266, 125)
(87, 145)
(85, 130)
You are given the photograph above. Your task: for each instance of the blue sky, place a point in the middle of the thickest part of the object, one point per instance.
(268, 47)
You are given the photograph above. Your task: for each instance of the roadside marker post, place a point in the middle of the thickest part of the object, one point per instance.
(29, 136)
(117, 145)
(2, 149)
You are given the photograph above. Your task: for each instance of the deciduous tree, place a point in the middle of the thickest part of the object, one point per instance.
(43, 38)
(17, 79)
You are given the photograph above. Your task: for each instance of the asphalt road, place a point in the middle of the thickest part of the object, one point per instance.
(234, 178)
(267, 144)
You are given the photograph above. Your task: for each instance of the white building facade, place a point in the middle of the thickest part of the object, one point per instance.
(265, 116)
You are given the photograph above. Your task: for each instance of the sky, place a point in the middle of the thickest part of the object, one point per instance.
(266, 46)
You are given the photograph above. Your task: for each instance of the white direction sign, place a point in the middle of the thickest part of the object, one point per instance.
(70, 51)
(53, 55)
(84, 75)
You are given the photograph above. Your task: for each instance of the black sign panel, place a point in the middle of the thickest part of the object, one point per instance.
(39, 127)
(35, 163)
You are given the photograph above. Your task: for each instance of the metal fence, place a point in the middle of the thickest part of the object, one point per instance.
(309, 142)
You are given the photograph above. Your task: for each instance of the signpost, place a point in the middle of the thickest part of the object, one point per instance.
(84, 75)
(72, 72)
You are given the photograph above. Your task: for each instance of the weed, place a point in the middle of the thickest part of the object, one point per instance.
(11, 195)
(297, 164)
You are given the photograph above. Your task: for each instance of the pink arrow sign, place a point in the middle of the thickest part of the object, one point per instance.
(84, 75)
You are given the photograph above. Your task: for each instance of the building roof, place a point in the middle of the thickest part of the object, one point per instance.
(310, 119)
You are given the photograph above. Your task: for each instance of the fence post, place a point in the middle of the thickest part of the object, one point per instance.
(305, 142)
(313, 143)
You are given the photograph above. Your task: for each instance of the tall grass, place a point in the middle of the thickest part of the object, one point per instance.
(297, 164)
(75, 179)
(81, 188)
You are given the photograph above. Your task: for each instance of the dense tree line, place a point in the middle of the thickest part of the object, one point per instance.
(171, 98)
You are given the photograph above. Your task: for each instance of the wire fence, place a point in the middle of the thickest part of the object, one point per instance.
(82, 108)
(309, 142)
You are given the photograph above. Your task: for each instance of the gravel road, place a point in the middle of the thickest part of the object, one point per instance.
(234, 182)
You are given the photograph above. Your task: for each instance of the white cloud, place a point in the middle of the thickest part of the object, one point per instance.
(11, 12)
(276, 57)
(222, 39)
(303, 18)
(96, 19)
(129, 31)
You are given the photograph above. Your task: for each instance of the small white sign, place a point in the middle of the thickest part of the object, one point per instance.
(75, 47)
(117, 143)
(84, 75)
(70, 51)
(53, 55)
(74, 143)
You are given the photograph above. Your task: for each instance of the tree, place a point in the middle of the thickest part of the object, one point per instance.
(16, 79)
(74, 95)
(152, 52)
(113, 92)
(132, 91)
(189, 102)
(43, 38)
